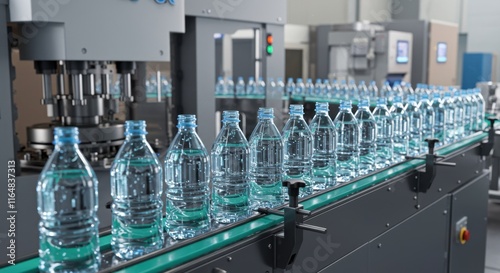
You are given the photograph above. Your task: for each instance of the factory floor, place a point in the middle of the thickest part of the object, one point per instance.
(493, 239)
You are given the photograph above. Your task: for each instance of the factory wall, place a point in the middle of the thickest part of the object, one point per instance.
(482, 21)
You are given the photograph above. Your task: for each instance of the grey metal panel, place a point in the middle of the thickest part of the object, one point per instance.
(7, 117)
(274, 67)
(243, 59)
(469, 166)
(470, 201)
(406, 9)
(417, 245)
(420, 51)
(356, 262)
(155, 114)
(258, 11)
(322, 52)
(97, 37)
(352, 224)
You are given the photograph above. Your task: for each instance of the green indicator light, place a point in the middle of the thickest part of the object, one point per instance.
(269, 49)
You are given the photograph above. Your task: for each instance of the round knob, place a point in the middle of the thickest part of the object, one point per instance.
(464, 235)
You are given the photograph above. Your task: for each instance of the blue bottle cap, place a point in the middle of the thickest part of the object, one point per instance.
(325, 81)
(135, 127)
(436, 95)
(381, 101)
(186, 121)
(299, 80)
(290, 79)
(296, 109)
(373, 83)
(250, 78)
(342, 82)
(66, 135)
(230, 116)
(364, 103)
(318, 80)
(266, 113)
(309, 80)
(361, 82)
(218, 78)
(240, 78)
(346, 104)
(411, 98)
(322, 107)
(398, 99)
(447, 94)
(425, 96)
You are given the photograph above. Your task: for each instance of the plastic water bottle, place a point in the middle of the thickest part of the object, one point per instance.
(297, 141)
(353, 90)
(427, 112)
(474, 110)
(309, 88)
(229, 86)
(363, 90)
(271, 86)
(240, 87)
(251, 86)
(187, 175)
(327, 89)
(385, 127)
(220, 88)
(459, 115)
(386, 90)
(266, 162)
(323, 153)
(367, 145)
(348, 137)
(290, 87)
(318, 88)
(401, 134)
(67, 205)
(261, 87)
(344, 90)
(467, 112)
(336, 89)
(449, 115)
(230, 164)
(439, 118)
(373, 90)
(480, 109)
(408, 90)
(280, 87)
(415, 126)
(397, 90)
(419, 91)
(136, 188)
(166, 87)
(300, 87)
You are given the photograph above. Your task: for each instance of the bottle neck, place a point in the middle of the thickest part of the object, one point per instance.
(135, 137)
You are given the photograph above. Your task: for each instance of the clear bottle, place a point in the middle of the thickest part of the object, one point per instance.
(367, 145)
(449, 115)
(480, 110)
(419, 91)
(401, 134)
(353, 90)
(427, 112)
(280, 87)
(271, 87)
(220, 87)
(415, 126)
(327, 89)
(230, 164)
(459, 115)
(385, 133)
(386, 90)
(290, 87)
(439, 118)
(187, 176)
(348, 137)
(229, 86)
(397, 90)
(266, 162)
(474, 110)
(297, 141)
(136, 188)
(467, 112)
(261, 87)
(309, 88)
(251, 87)
(336, 89)
(318, 88)
(363, 90)
(344, 90)
(240, 87)
(408, 90)
(323, 154)
(67, 205)
(300, 87)
(373, 90)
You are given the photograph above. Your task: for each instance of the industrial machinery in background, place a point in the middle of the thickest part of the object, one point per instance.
(200, 58)
(361, 51)
(434, 50)
(79, 60)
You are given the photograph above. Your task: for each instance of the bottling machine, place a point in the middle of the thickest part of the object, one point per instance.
(426, 214)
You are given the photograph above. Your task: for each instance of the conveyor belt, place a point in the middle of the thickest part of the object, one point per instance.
(183, 252)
